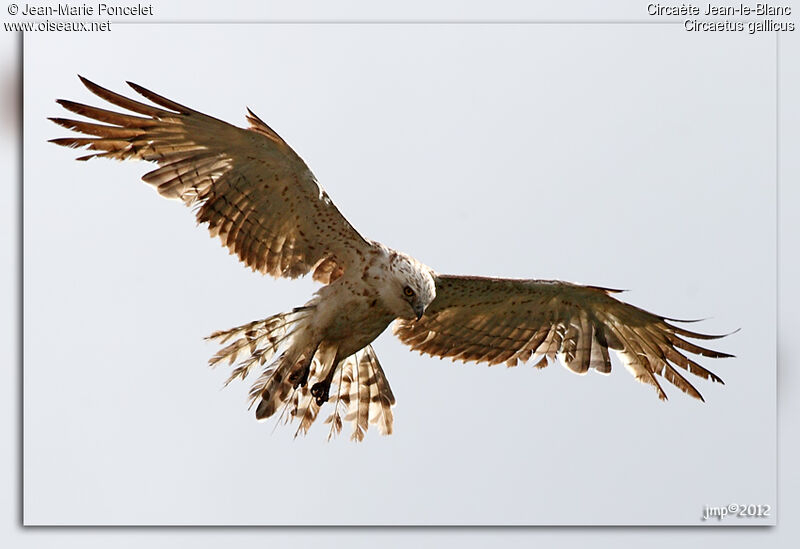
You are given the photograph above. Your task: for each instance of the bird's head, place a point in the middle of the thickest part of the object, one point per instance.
(411, 287)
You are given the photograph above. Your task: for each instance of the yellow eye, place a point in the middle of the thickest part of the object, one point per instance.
(408, 291)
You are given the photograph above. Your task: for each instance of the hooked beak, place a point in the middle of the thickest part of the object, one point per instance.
(419, 310)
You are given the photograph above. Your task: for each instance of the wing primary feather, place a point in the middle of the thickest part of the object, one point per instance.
(694, 335)
(160, 100)
(124, 102)
(99, 130)
(104, 115)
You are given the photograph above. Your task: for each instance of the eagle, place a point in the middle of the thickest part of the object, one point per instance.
(261, 200)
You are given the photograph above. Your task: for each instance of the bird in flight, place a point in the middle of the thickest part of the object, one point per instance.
(261, 200)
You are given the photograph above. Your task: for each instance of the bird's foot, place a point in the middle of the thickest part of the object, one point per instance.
(320, 392)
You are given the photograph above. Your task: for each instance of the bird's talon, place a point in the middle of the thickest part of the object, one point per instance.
(320, 392)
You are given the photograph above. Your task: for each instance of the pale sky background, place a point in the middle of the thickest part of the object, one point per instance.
(639, 157)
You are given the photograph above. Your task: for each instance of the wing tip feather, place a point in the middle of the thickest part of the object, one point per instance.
(159, 99)
(89, 84)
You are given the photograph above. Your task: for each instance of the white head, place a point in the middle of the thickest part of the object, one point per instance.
(410, 287)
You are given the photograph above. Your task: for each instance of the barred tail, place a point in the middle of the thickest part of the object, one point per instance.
(362, 395)
(360, 391)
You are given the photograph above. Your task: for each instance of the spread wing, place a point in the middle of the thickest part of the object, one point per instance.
(254, 192)
(499, 320)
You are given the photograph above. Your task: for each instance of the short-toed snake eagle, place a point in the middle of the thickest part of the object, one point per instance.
(261, 200)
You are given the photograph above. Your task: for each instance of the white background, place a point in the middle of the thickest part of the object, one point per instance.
(787, 270)
(624, 156)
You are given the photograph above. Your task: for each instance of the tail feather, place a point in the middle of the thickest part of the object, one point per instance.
(360, 392)
(275, 386)
(382, 399)
(362, 409)
(341, 400)
(305, 409)
(362, 396)
(303, 405)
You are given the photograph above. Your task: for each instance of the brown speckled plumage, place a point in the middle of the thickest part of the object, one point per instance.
(260, 199)
(510, 321)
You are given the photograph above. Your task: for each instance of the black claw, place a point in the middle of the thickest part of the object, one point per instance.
(320, 392)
